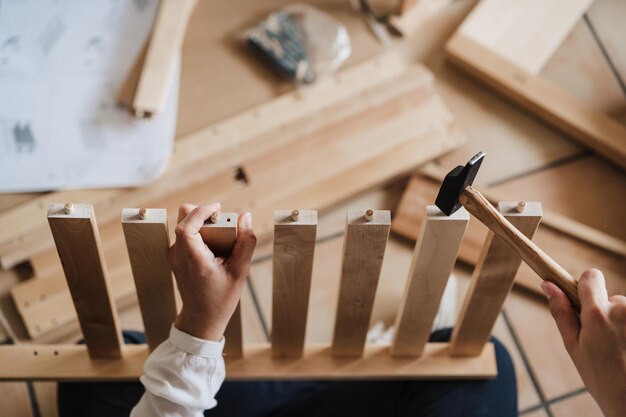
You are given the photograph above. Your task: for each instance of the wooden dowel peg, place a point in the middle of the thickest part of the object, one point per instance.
(143, 213)
(521, 206)
(369, 215)
(214, 217)
(295, 215)
(68, 208)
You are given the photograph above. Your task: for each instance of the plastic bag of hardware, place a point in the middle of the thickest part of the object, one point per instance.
(301, 43)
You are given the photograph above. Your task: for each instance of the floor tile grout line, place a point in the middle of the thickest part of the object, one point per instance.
(531, 409)
(531, 372)
(566, 396)
(32, 396)
(583, 153)
(606, 54)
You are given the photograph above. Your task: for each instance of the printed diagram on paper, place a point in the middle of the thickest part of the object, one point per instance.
(61, 65)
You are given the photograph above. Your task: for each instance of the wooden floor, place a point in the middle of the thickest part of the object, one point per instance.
(591, 64)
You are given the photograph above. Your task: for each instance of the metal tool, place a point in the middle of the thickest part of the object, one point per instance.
(456, 191)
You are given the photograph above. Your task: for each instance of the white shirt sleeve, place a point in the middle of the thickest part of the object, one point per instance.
(181, 377)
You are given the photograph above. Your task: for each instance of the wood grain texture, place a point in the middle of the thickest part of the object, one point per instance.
(362, 258)
(72, 363)
(524, 33)
(292, 263)
(590, 127)
(78, 243)
(160, 61)
(537, 259)
(411, 18)
(148, 243)
(491, 282)
(433, 259)
(15, 400)
(220, 235)
(234, 335)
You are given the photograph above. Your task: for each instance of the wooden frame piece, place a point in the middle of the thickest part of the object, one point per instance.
(147, 241)
(220, 233)
(72, 363)
(363, 251)
(491, 282)
(511, 67)
(77, 239)
(292, 262)
(433, 259)
(153, 84)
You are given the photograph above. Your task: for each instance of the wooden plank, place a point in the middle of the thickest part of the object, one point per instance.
(590, 127)
(363, 251)
(491, 283)
(525, 33)
(72, 363)
(160, 62)
(78, 243)
(220, 233)
(223, 146)
(148, 243)
(433, 259)
(294, 246)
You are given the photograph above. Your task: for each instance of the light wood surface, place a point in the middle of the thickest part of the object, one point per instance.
(78, 243)
(233, 334)
(590, 127)
(220, 235)
(72, 363)
(433, 259)
(164, 48)
(148, 243)
(292, 261)
(15, 400)
(537, 259)
(362, 259)
(426, 131)
(524, 33)
(491, 282)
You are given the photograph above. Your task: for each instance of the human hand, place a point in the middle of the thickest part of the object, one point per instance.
(209, 287)
(596, 341)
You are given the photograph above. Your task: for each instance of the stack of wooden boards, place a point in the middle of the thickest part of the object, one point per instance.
(310, 148)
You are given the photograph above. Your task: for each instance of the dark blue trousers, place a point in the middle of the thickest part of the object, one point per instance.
(496, 397)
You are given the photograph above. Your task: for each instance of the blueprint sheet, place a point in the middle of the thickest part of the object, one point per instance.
(61, 65)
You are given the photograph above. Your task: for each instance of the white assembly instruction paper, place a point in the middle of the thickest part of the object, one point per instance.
(62, 63)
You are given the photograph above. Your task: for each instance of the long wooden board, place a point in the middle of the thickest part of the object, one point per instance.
(433, 260)
(292, 266)
(505, 48)
(148, 242)
(491, 282)
(72, 363)
(364, 246)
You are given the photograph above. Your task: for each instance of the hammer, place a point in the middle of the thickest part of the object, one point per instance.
(456, 191)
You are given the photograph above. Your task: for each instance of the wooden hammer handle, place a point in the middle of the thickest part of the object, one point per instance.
(538, 260)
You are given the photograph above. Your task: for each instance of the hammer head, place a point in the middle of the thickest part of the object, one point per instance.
(455, 182)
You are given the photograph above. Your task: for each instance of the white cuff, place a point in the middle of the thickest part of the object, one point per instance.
(194, 345)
